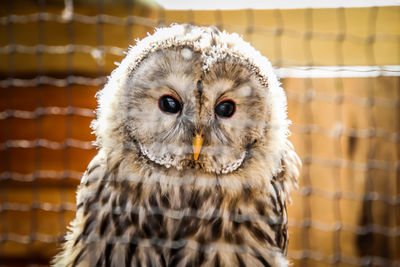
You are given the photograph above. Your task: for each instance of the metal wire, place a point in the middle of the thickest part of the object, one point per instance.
(101, 51)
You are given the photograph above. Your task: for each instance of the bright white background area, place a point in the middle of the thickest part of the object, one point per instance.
(265, 4)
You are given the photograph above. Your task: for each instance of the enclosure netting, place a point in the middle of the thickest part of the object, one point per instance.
(339, 67)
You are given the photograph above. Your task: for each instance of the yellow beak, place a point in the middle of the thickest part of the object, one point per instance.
(197, 144)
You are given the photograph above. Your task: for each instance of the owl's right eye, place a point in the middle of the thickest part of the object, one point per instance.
(169, 104)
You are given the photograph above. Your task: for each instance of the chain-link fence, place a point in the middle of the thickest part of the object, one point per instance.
(339, 67)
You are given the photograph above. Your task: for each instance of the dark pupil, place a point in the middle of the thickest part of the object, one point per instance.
(225, 109)
(169, 104)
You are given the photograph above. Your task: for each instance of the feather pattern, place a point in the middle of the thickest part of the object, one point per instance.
(144, 200)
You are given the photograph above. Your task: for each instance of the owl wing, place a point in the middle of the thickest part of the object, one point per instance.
(282, 184)
(281, 235)
(74, 250)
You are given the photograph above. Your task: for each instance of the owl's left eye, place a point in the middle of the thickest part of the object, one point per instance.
(169, 104)
(225, 109)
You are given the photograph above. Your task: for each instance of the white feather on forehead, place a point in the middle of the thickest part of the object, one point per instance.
(110, 114)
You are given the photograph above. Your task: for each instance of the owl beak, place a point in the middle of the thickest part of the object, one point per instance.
(197, 144)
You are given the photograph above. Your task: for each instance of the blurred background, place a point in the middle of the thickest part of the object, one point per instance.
(338, 62)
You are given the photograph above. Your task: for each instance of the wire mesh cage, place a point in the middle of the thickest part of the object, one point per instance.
(339, 67)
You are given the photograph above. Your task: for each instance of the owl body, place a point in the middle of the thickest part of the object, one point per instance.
(194, 167)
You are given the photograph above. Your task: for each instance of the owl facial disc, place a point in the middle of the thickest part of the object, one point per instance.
(174, 83)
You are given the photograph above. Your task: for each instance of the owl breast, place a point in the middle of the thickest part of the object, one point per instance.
(178, 219)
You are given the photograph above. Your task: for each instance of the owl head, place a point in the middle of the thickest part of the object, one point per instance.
(192, 97)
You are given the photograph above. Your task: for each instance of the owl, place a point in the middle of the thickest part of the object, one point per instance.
(194, 167)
